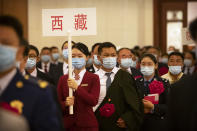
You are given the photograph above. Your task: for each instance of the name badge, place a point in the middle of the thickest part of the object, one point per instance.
(84, 84)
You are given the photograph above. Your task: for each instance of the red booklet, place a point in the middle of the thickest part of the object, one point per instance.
(154, 98)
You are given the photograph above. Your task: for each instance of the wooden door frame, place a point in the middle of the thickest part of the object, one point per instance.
(157, 21)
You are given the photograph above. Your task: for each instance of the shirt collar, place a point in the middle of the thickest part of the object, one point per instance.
(65, 65)
(95, 68)
(114, 71)
(149, 80)
(179, 76)
(34, 73)
(6, 80)
(81, 74)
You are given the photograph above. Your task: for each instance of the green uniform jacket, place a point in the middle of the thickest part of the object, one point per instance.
(128, 105)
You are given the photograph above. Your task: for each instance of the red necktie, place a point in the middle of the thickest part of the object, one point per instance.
(77, 77)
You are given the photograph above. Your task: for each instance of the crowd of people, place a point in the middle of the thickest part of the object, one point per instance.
(118, 90)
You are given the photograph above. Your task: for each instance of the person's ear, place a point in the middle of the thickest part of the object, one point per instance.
(37, 59)
(156, 66)
(86, 58)
(118, 60)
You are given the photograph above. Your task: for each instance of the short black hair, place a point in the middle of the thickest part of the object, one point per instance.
(82, 47)
(95, 45)
(164, 54)
(67, 42)
(32, 47)
(193, 29)
(176, 54)
(156, 48)
(124, 48)
(105, 45)
(152, 57)
(25, 44)
(192, 53)
(53, 47)
(10, 21)
(45, 48)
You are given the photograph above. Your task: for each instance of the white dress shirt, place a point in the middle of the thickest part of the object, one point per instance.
(4, 81)
(43, 66)
(65, 68)
(191, 70)
(103, 79)
(34, 73)
(81, 75)
(95, 68)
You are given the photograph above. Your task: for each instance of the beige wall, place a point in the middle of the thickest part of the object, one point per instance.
(126, 23)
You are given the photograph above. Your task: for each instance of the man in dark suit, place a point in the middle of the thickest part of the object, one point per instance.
(31, 68)
(182, 102)
(125, 61)
(117, 88)
(45, 57)
(32, 100)
(62, 68)
(96, 63)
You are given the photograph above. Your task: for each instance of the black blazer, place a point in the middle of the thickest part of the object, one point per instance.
(56, 72)
(155, 121)
(43, 76)
(135, 72)
(90, 69)
(183, 104)
(52, 66)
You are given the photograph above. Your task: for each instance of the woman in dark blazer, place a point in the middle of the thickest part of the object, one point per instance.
(86, 88)
(152, 84)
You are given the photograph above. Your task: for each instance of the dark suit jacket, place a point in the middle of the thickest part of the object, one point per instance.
(183, 105)
(52, 66)
(56, 72)
(43, 76)
(135, 72)
(128, 105)
(155, 121)
(90, 69)
(35, 101)
(86, 97)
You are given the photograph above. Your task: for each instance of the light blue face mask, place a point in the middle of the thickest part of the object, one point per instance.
(78, 63)
(96, 61)
(55, 56)
(7, 57)
(147, 70)
(134, 64)
(65, 53)
(126, 62)
(31, 63)
(90, 61)
(109, 62)
(45, 58)
(175, 70)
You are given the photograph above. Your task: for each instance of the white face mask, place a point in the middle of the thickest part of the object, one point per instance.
(164, 60)
(147, 70)
(175, 70)
(187, 62)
